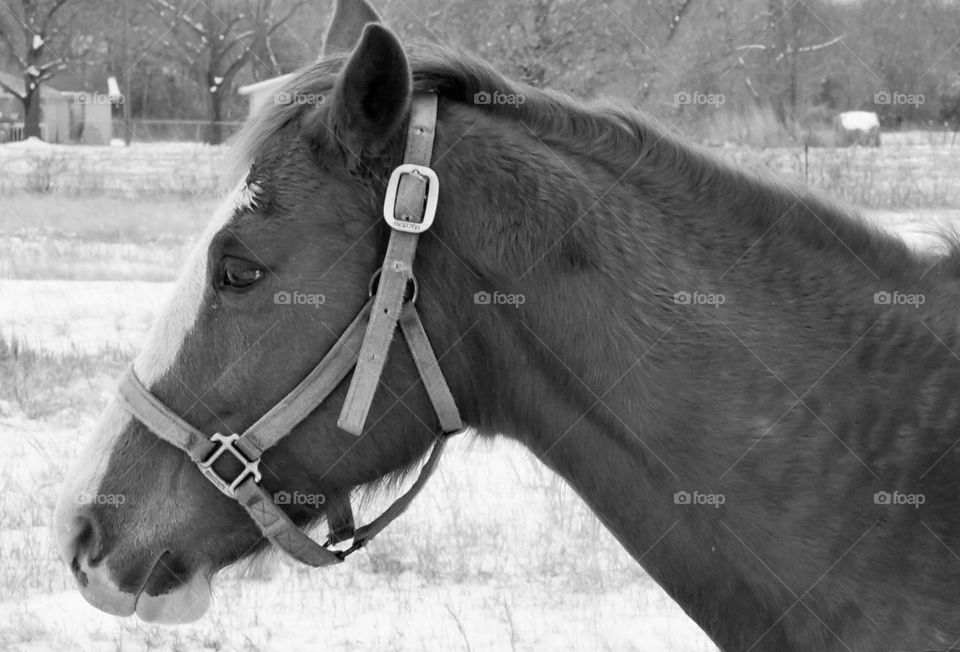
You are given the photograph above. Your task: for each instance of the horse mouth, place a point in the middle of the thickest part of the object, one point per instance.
(172, 594)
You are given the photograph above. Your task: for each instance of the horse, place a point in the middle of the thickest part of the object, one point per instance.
(750, 386)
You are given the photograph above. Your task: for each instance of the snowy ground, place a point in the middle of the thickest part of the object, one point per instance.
(495, 554)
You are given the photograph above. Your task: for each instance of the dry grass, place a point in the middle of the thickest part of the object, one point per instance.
(97, 238)
(103, 219)
(497, 553)
(39, 384)
(756, 128)
(184, 169)
(894, 176)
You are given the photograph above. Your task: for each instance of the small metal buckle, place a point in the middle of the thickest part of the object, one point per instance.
(343, 553)
(250, 468)
(390, 201)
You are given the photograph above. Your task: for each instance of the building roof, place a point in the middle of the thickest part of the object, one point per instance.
(82, 78)
(266, 85)
(16, 82)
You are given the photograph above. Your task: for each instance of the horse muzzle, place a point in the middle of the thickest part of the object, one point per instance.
(158, 589)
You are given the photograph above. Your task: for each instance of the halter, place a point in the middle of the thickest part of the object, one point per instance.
(409, 208)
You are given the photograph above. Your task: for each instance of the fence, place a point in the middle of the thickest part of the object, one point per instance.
(154, 131)
(12, 132)
(141, 169)
(891, 176)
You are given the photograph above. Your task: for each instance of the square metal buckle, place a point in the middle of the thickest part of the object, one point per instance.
(250, 468)
(390, 201)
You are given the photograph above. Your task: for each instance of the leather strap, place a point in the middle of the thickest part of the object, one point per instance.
(371, 332)
(270, 519)
(279, 529)
(269, 429)
(436, 385)
(162, 421)
(397, 270)
(339, 517)
(365, 534)
(272, 426)
(310, 393)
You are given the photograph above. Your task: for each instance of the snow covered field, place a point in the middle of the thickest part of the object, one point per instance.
(495, 554)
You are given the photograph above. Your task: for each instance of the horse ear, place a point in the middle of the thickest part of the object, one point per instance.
(372, 95)
(346, 26)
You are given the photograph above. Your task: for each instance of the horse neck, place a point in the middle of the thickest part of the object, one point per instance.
(571, 371)
(612, 384)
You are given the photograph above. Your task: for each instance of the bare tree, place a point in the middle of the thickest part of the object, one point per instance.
(214, 40)
(773, 57)
(36, 35)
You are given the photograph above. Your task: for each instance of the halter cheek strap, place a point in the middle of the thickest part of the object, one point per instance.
(409, 209)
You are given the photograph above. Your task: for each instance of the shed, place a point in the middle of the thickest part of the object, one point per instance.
(857, 128)
(54, 112)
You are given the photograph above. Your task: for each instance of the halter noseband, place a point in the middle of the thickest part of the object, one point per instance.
(409, 209)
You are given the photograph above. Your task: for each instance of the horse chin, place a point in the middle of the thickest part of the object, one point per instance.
(103, 595)
(185, 603)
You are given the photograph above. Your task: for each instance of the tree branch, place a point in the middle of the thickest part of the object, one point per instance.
(54, 8)
(820, 46)
(677, 19)
(13, 91)
(235, 67)
(12, 47)
(178, 17)
(277, 25)
(809, 48)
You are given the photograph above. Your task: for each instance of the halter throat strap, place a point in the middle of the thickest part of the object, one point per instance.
(409, 209)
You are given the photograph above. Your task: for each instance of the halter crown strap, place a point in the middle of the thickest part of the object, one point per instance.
(408, 217)
(409, 209)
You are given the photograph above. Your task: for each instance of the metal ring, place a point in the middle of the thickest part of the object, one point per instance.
(373, 282)
(408, 295)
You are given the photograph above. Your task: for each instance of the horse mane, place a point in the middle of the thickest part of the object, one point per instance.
(627, 143)
(601, 128)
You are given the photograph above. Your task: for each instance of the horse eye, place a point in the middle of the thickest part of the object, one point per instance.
(237, 273)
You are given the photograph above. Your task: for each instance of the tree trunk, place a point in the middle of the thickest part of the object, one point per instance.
(215, 128)
(31, 110)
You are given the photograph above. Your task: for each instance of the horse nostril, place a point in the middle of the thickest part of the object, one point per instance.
(85, 543)
(78, 572)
